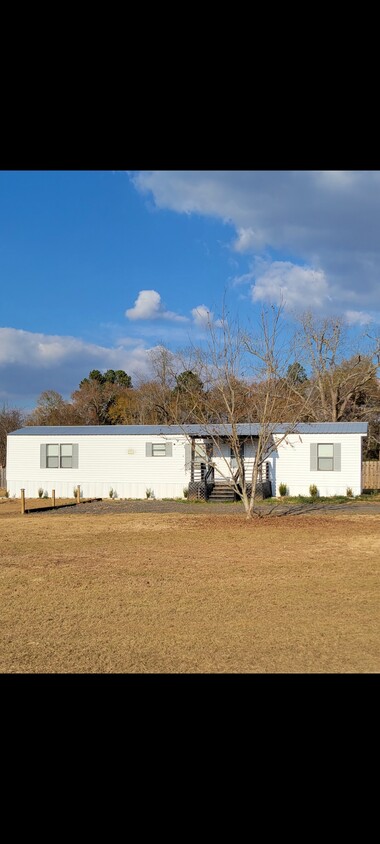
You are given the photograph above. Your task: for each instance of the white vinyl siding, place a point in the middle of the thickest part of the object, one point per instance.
(295, 463)
(117, 461)
(221, 460)
(188, 457)
(200, 452)
(121, 461)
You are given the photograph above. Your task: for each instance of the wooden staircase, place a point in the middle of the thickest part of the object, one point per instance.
(222, 492)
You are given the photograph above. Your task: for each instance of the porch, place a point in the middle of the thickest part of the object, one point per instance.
(215, 474)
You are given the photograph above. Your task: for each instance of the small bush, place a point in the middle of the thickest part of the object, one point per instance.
(113, 493)
(282, 490)
(149, 493)
(349, 492)
(75, 491)
(185, 492)
(6, 493)
(313, 490)
(46, 494)
(40, 492)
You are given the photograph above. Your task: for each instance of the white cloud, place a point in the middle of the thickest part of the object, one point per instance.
(295, 286)
(248, 240)
(326, 220)
(148, 306)
(358, 317)
(31, 362)
(245, 278)
(203, 317)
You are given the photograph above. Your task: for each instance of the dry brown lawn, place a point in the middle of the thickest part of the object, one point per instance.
(173, 593)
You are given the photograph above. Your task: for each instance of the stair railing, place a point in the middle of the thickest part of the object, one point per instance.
(207, 483)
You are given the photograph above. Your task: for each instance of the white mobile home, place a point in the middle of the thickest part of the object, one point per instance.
(169, 459)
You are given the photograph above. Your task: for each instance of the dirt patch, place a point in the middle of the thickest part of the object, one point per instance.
(12, 506)
(181, 592)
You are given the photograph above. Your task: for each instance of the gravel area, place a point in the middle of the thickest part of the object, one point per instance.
(185, 508)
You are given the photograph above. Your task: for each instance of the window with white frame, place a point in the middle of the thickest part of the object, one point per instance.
(52, 456)
(59, 456)
(66, 456)
(162, 449)
(158, 449)
(325, 454)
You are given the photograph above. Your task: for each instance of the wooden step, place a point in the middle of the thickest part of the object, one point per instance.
(222, 495)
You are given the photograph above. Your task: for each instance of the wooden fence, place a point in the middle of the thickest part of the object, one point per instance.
(3, 477)
(371, 474)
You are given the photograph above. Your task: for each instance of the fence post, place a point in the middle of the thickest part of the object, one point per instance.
(78, 494)
(22, 502)
(53, 497)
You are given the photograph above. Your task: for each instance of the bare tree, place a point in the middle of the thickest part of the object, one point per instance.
(233, 360)
(162, 365)
(11, 418)
(340, 377)
(52, 409)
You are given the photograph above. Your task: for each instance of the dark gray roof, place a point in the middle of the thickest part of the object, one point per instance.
(244, 429)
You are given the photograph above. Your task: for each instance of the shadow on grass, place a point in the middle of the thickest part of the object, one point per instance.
(61, 506)
(301, 509)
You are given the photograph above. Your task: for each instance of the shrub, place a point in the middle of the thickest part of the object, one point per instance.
(282, 490)
(46, 494)
(112, 493)
(149, 493)
(349, 492)
(313, 490)
(185, 492)
(40, 492)
(6, 493)
(75, 491)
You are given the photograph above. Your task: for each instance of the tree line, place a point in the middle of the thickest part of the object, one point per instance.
(268, 375)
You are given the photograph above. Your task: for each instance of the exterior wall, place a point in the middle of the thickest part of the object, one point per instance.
(225, 466)
(291, 465)
(222, 461)
(104, 461)
(249, 459)
(120, 462)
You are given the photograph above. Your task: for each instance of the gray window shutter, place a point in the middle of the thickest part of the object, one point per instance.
(169, 449)
(337, 460)
(75, 455)
(187, 457)
(148, 449)
(313, 457)
(42, 456)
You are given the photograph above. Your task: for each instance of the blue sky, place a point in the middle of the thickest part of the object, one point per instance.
(97, 268)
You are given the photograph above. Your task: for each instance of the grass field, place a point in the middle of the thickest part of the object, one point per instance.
(180, 593)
